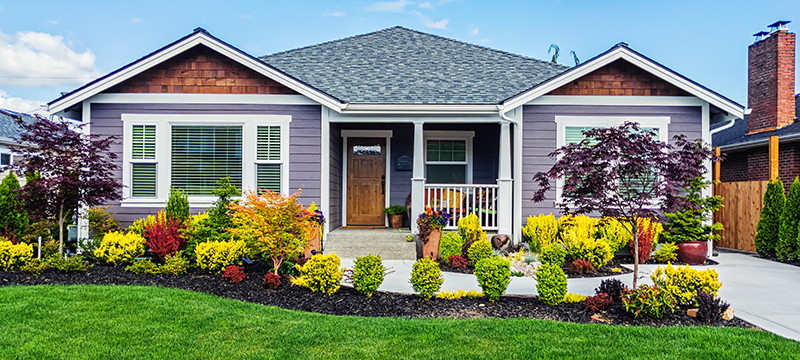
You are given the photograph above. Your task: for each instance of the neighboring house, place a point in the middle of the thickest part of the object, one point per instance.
(773, 107)
(366, 121)
(9, 133)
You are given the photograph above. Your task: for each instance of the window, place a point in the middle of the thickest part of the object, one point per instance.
(5, 159)
(268, 158)
(448, 157)
(201, 155)
(143, 161)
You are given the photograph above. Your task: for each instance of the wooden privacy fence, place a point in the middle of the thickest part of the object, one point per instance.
(742, 204)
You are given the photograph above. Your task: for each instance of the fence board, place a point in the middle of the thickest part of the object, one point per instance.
(742, 204)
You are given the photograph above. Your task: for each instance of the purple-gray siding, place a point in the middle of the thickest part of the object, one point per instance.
(539, 139)
(304, 141)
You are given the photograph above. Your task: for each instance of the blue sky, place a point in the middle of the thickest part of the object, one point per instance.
(52, 46)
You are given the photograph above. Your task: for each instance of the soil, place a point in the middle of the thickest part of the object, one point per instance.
(349, 302)
(605, 270)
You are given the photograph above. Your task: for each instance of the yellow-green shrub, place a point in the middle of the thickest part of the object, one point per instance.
(449, 245)
(118, 248)
(143, 266)
(138, 226)
(667, 252)
(614, 233)
(551, 283)
(452, 295)
(493, 276)
(12, 256)
(479, 250)
(582, 225)
(469, 227)
(541, 231)
(321, 273)
(426, 278)
(215, 256)
(574, 298)
(553, 254)
(684, 282)
(174, 264)
(595, 251)
(368, 274)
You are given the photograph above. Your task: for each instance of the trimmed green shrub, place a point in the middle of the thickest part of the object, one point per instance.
(118, 248)
(770, 223)
(790, 218)
(493, 275)
(551, 283)
(684, 282)
(174, 264)
(553, 254)
(177, 205)
(595, 251)
(368, 274)
(479, 250)
(449, 245)
(667, 252)
(540, 231)
(13, 220)
(652, 301)
(321, 273)
(426, 278)
(12, 256)
(68, 264)
(214, 256)
(142, 266)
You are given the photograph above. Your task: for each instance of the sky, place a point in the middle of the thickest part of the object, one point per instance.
(47, 47)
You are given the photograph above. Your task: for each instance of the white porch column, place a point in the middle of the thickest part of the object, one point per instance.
(505, 182)
(417, 177)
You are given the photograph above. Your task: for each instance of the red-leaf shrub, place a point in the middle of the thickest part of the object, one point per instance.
(234, 274)
(166, 236)
(645, 241)
(457, 261)
(598, 303)
(272, 280)
(581, 266)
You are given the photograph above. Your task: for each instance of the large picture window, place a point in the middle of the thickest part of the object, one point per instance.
(448, 157)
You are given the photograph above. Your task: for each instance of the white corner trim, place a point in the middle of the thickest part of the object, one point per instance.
(367, 133)
(603, 100)
(325, 170)
(386, 134)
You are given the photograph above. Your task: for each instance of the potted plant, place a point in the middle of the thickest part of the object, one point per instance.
(430, 225)
(395, 214)
(688, 226)
(317, 221)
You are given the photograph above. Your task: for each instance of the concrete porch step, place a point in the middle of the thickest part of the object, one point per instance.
(391, 244)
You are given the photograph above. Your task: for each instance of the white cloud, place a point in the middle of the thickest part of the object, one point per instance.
(474, 32)
(426, 5)
(32, 59)
(20, 104)
(388, 6)
(52, 22)
(333, 13)
(441, 24)
(136, 21)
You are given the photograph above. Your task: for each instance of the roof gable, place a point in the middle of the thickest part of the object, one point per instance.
(619, 77)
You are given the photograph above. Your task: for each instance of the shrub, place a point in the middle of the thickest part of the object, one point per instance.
(595, 251)
(614, 232)
(449, 245)
(177, 205)
(769, 224)
(790, 218)
(368, 274)
(143, 266)
(215, 256)
(581, 266)
(553, 254)
(710, 308)
(35, 267)
(13, 219)
(118, 248)
(426, 278)
(167, 235)
(272, 280)
(493, 276)
(694, 220)
(457, 261)
(652, 301)
(469, 227)
(322, 273)
(235, 274)
(667, 252)
(574, 298)
(68, 264)
(646, 233)
(101, 222)
(138, 225)
(452, 295)
(613, 287)
(540, 231)
(598, 303)
(684, 282)
(12, 256)
(480, 250)
(582, 226)
(174, 265)
(551, 283)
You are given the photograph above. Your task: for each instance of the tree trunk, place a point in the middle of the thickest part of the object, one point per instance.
(635, 252)
(61, 229)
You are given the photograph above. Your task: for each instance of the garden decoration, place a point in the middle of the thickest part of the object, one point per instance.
(430, 225)
(395, 215)
(317, 220)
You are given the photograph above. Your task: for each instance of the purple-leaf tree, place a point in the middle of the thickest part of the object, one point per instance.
(623, 172)
(66, 169)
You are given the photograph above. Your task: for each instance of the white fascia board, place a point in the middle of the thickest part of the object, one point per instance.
(168, 53)
(616, 100)
(418, 109)
(625, 54)
(445, 118)
(154, 98)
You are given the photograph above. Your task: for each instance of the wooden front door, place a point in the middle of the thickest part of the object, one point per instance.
(366, 181)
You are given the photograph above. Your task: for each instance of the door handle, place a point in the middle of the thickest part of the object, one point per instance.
(383, 187)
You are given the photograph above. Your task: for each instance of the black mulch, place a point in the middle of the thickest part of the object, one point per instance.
(605, 270)
(347, 301)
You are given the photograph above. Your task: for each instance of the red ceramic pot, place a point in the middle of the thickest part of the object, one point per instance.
(693, 252)
(432, 245)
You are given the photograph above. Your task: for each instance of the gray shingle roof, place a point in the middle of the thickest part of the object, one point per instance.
(8, 127)
(403, 66)
(737, 134)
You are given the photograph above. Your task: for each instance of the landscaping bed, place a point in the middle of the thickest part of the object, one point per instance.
(602, 272)
(349, 302)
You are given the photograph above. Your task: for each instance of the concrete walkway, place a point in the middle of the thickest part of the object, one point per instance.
(762, 292)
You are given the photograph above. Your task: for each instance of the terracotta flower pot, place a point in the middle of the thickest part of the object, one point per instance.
(313, 242)
(432, 245)
(396, 221)
(693, 252)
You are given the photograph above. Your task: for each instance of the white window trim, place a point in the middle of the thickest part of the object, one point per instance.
(10, 157)
(164, 123)
(467, 136)
(562, 122)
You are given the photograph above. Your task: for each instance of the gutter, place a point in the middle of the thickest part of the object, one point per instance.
(760, 142)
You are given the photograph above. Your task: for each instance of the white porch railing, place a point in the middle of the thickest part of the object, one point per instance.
(461, 200)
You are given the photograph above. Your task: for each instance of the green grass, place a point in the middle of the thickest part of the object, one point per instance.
(118, 322)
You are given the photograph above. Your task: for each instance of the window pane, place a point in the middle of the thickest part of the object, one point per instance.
(143, 141)
(143, 180)
(269, 143)
(5, 159)
(201, 155)
(574, 134)
(446, 150)
(446, 174)
(268, 177)
(367, 149)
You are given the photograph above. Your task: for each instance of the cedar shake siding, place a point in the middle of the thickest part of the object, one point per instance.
(304, 142)
(619, 78)
(539, 139)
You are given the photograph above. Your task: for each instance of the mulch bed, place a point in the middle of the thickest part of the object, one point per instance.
(602, 272)
(629, 261)
(347, 301)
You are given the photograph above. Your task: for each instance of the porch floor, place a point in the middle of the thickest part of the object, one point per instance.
(391, 244)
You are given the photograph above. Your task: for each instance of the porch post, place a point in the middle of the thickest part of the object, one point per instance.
(504, 182)
(417, 177)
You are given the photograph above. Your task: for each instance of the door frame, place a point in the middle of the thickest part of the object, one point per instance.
(346, 134)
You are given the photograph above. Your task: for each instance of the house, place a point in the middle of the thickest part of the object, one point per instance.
(9, 133)
(364, 122)
(774, 108)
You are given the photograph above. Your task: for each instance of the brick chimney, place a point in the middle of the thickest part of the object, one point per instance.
(770, 80)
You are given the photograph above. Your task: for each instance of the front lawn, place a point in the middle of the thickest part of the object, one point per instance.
(118, 322)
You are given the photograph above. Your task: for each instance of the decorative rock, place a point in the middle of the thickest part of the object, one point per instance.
(728, 314)
(501, 242)
(692, 312)
(600, 318)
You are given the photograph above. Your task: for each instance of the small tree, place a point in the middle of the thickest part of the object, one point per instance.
(691, 223)
(13, 219)
(178, 205)
(770, 223)
(75, 169)
(622, 172)
(790, 218)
